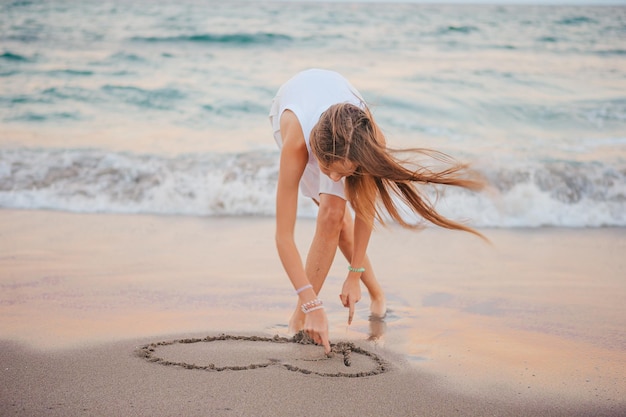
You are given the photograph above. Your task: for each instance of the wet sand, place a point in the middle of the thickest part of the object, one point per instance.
(142, 315)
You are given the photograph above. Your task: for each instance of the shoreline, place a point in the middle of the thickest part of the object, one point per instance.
(531, 325)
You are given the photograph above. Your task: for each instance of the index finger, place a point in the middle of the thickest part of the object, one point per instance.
(325, 343)
(350, 310)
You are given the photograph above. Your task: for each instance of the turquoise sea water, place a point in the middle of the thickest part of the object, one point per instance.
(161, 107)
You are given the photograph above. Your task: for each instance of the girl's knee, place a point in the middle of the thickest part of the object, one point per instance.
(331, 217)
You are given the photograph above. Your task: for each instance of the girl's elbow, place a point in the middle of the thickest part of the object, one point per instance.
(281, 241)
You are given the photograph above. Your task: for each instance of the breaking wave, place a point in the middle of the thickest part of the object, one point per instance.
(528, 194)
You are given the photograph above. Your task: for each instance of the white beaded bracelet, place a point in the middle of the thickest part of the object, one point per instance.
(313, 309)
(306, 287)
(312, 305)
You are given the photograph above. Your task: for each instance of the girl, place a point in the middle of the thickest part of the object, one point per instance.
(332, 150)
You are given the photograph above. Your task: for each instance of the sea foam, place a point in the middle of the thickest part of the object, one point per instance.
(549, 193)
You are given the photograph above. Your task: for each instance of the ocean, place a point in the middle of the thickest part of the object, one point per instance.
(155, 107)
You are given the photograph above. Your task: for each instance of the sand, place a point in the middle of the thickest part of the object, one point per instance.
(161, 316)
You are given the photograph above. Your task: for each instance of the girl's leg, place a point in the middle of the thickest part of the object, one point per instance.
(323, 248)
(378, 307)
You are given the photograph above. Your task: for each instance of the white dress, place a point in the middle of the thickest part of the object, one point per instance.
(308, 94)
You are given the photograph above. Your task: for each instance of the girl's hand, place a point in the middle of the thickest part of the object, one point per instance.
(350, 295)
(316, 327)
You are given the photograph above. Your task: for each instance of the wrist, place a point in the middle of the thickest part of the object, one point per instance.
(353, 276)
(303, 288)
(307, 295)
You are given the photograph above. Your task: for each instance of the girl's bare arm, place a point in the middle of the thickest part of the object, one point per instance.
(293, 159)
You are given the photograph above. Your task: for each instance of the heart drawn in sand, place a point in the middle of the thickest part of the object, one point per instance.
(236, 353)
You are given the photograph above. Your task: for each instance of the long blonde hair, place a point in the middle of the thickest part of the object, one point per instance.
(345, 131)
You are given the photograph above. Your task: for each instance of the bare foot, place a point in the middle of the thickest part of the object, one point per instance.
(378, 308)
